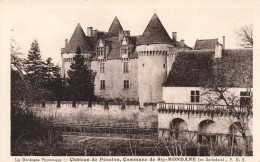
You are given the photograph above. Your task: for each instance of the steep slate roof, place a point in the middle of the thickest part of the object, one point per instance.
(178, 45)
(206, 44)
(154, 33)
(79, 38)
(200, 69)
(114, 28)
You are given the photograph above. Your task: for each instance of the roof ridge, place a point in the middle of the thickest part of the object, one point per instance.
(207, 39)
(237, 49)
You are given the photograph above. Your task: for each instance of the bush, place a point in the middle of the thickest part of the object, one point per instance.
(26, 127)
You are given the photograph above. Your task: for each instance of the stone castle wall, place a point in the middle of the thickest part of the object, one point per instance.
(213, 125)
(67, 59)
(114, 77)
(180, 96)
(183, 94)
(152, 70)
(98, 113)
(221, 124)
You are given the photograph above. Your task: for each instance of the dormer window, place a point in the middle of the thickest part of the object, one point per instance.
(124, 49)
(101, 51)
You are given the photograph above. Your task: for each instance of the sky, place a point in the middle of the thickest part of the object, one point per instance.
(51, 22)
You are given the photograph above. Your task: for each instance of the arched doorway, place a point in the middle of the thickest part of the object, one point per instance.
(205, 134)
(177, 128)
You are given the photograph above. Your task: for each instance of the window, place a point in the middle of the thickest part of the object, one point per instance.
(126, 84)
(102, 84)
(126, 70)
(245, 99)
(195, 96)
(101, 51)
(124, 49)
(102, 67)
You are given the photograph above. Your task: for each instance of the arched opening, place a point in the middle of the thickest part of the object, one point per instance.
(206, 135)
(234, 133)
(177, 128)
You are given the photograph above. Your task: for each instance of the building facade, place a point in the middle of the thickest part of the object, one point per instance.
(140, 68)
(127, 67)
(193, 101)
(154, 68)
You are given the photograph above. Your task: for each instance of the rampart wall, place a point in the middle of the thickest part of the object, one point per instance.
(114, 113)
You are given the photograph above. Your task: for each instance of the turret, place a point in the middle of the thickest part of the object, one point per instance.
(152, 61)
(78, 39)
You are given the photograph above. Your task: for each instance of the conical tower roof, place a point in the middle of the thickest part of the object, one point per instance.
(79, 38)
(114, 28)
(155, 33)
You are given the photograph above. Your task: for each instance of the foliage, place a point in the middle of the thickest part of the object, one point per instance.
(28, 85)
(25, 126)
(80, 79)
(52, 80)
(33, 80)
(41, 80)
(218, 92)
(106, 146)
(34, 64)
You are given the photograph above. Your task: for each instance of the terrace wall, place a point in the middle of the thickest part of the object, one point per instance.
(114, 113)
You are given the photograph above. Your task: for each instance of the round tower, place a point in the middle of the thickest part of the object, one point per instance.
(152, 49)
(78, 39)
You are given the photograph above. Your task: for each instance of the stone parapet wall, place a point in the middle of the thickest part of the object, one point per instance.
(97, 113)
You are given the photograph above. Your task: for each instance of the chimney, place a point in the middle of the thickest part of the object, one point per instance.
(223, 42)
(218, 51)
(182, 43)
(94, 33)
(127, 32)
(174, 36)
(66, 42)
(89, 31)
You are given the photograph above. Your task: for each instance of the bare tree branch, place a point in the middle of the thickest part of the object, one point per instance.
(245, 35)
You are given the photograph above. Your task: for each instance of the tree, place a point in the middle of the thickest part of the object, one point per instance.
(16, 60)
(36, 74)
(25, 126)
(218, 91)
(245, 35)
(19, 85)
(80, 79)
(52, 80)
(34, 62)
